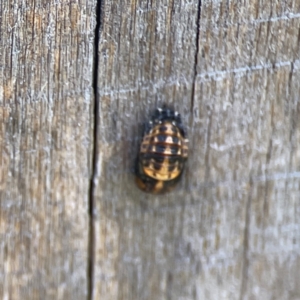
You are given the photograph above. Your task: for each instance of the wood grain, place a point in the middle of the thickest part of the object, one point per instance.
(231, 230)
(46, 111)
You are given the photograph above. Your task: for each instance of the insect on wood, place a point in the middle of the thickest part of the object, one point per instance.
(163, 152)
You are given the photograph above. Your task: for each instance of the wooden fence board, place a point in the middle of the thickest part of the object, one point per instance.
(231, 230)
(46, 111)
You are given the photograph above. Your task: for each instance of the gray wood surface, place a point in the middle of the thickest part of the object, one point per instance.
(231, 228)
(46, 139)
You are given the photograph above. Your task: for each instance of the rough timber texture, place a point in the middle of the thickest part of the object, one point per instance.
(46, 113)
(231, 229)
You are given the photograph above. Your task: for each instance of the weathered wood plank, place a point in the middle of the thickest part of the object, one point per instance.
(231, 230)
(145, 50)
(46, 111)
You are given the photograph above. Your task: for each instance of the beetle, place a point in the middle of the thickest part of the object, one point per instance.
(163, 152)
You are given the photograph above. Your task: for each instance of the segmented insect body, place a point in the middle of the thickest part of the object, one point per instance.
(163, 152)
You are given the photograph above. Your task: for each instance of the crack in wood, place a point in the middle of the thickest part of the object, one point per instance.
(91, 238)
(196, 57)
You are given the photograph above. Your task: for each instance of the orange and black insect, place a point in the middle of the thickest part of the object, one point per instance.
(163, 152)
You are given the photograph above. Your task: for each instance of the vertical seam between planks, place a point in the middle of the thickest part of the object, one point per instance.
(91, 204)
(196, 57)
